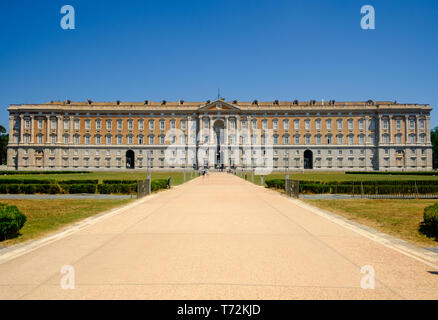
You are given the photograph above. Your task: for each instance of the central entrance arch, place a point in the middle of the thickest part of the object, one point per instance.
(130, 159)
(308, 159)
(219, 127)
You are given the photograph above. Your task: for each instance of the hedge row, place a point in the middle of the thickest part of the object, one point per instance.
(349, 187)
(11, 221)
(116, 188)
(430, 223)
(7, 172)
(46, 181)
(119, 181)
(375, 182)
(396, 173)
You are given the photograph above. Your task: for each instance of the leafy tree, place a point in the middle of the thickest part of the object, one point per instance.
(434, 138)
(4, 138)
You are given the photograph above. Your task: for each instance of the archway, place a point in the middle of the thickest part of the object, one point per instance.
(130, 159)
(308, 159)
(219, 135)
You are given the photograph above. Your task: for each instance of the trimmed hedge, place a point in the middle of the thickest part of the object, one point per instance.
(367, 187)
(26, 181)
(11, 221)
(78, 188)
(430, 223)
(95, 181)
(7, 172)
(395, 173)
(120, 188)
(119, 181)
(158, 184)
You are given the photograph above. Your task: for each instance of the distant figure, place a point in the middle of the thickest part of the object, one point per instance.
(168, 183)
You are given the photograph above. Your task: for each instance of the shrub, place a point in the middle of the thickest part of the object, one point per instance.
(158, 184)
(430, 224)
(276, 183)
(94, 181)
(117, 188)
(11, 221)
(119, 181)
(82, 188)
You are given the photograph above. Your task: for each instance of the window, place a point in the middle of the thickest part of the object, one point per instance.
(361, 139)
(26, 138)
(231, 124)
(329, 139)
(385, 138)
(398, 139)
(151, 139)
(109, 139)
(371, 138)
(65, 138)
(339, 124)
(151, 124)
(76, 139)
(161, 124)
(385, 124)
(297, 124)
(286, 139)
(119, 139)
(328, 124)
(40, 138)
(263, 139)
(129, 139)
(40, 123)
(398, 124)
(340, 138)
(360, 124)
(161, 139)
(307, 124)
(98, 138)
(350, 124)
(231, 139)
(130, 124)
(87, 124)
(173, 124)
(254, 124)
(183, 139)
(275, 138)
(307, 138)
(411, 124)
(318, 139)
(297, 139)
(183, 124)
(77, 124)
(243, 123)
(318, 124)
(422, 124)
(141, 124)
(87, 139)
(98, 124)
(119, 124)
(27, 123)
(350, 139)
(109, 124)
(422, 138)
(275, 124)
(264, 124)
(140, 139)
(286, 124)
(53, 124)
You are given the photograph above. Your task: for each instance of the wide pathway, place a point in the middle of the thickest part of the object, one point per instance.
(217, 237)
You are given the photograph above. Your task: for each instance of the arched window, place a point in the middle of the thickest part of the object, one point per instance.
(97, 138)
(329, 138)
(286, 139)
(140, 139)
(340, 138)
(350, 139)
(297, 139)
(162, 139)
(151, 139)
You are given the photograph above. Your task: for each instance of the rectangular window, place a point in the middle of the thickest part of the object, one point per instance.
(183, 124)
(350, 124)
(339, 124)
(297, 124)
(398, 124)
(307, 124)
(360, 124)
(254, 124)
(77, 124)
(286, 124)
(141, 124)
(119, 124)
(151, 124)
(328, 124)
(109, 124)
(318, 124)
(87, 124)
(27, 123)
(53, 124)
(40, 123)
(98, 124)
(66, 123)
(161, 124)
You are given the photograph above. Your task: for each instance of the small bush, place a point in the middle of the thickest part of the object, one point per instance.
(119, 181)
(11, 221)
(158, 184)
(276, 183)
(82, 188)
(430, 224)
(94, 181)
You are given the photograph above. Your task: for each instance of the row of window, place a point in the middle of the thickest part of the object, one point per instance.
(264, 122)
(297, 139)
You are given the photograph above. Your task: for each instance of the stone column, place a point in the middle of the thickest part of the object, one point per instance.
(71, 130)
(48, 129)
(58, 128)
(390, 129)
(406, 129)
(32, 129)
(427, 127)
(11, 129)
(21, 128)
(417, 129)
(379, 130)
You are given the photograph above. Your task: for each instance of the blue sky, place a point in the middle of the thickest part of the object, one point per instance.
(250, 49)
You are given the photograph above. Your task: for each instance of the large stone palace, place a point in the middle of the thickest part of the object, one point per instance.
(319, 135)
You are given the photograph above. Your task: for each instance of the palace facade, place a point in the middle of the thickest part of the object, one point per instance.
(318, 135)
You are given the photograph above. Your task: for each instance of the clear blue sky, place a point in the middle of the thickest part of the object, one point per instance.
(251, 49)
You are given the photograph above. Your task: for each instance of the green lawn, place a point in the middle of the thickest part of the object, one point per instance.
(176, 177)
(339, 176)
(45, 216)
(400, 218)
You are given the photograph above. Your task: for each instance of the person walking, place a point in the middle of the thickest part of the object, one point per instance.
(168, 183)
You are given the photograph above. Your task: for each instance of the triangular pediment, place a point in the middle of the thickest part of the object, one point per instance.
(219, 105)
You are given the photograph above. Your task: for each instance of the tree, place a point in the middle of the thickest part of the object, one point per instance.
(4, 139)
(434, 138)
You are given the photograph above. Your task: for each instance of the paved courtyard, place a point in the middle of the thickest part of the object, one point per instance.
(217, 237)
